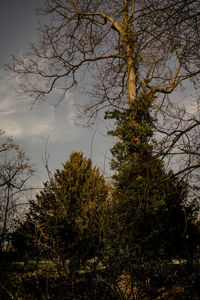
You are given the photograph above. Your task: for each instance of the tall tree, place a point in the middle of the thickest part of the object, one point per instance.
(152, 217)
(127, 54)
(68, 210)
(132, 55)
(116, 50)
(153, 204)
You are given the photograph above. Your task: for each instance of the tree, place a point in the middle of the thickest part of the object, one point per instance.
(153, 218)
(132, 56)
(15, 171)
(118, 50)
(68, 210)
(153, 204)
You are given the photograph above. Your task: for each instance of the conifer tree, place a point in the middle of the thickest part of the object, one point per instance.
(68, 209)
(152, 221)
(151, 216)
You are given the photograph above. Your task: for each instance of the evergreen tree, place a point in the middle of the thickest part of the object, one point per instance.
(152, 219)
(67, 212)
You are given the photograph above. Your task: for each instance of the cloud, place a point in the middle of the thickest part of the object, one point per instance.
(19, 121)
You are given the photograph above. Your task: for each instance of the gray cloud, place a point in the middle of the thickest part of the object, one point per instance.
(19, 121)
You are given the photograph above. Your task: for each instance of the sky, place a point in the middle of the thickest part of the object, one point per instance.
(44, 124)
(33, 128)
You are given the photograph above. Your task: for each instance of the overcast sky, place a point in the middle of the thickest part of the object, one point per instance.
(31, 128)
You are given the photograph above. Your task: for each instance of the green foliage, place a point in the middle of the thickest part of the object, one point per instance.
(151, 218)
(67, 212)
(132, 238)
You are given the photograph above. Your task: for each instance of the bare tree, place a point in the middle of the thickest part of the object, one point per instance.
(116, 51)
(15, 171)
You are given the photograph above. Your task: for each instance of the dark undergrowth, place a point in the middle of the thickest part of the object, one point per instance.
(41, 280)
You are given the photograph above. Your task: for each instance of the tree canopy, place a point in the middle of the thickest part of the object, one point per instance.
(153, 218)
(155, 211)
(146, 45)
(67, 212)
